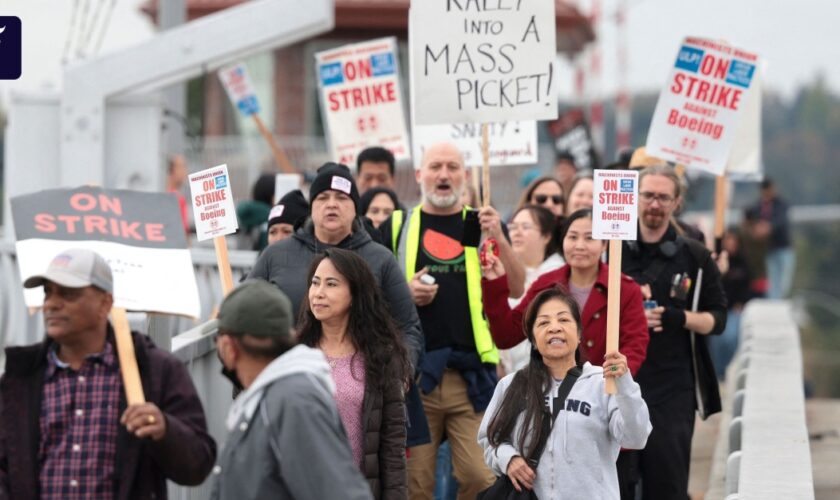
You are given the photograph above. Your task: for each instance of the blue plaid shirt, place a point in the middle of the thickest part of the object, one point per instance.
(79, 424)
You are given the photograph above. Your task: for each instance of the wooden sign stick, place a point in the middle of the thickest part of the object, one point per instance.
(223, 261)
(279, 155)
(128, 361)
(613, 305)
(720, 212)
(485, 170)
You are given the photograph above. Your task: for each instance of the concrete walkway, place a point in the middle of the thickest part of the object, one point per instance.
(823, 420)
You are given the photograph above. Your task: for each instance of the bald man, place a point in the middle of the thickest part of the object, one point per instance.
(458, 372)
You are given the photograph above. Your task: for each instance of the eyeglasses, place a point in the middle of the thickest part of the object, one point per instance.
(523, 226)
(663, 199)
(557, 199)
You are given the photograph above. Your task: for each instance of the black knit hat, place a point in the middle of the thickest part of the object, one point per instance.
(336, 177)
(291, 208)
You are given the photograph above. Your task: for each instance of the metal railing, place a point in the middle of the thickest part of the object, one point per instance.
(197, 350)
(763, 449)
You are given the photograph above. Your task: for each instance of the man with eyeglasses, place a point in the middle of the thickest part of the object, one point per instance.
(677, 377)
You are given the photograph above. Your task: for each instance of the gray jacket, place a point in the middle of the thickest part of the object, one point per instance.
(580, 454)
(286, 439)
(286, 264)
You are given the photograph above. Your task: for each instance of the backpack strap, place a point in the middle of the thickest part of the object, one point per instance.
(562, 393)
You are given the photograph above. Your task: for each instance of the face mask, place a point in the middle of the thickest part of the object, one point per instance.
(230, 374)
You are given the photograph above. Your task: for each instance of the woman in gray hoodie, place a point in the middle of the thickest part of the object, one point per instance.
(578, 461)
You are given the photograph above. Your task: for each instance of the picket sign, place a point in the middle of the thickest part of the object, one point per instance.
(614, 214)
(703, 103)
(708, 116)
(242, 94)
(469, 68)
(361, 99)
(139, 234)
(215, 215)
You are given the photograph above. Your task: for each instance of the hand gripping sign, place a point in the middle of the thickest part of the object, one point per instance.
(140, 235)
(614, 212)
(701, 108)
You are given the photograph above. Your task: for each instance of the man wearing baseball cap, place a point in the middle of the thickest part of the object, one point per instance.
(65, 430)
(286, 439)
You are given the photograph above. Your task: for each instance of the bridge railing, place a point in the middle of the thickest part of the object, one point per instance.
(763, 449)
(196, 348)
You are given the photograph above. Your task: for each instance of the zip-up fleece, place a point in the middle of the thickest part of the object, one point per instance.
(579, 457)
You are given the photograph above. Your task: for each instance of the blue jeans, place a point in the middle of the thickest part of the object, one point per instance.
(446, 488)
(781, 264)
(722, 347)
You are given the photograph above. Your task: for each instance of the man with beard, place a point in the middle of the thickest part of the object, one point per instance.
(458, 372)
(677, 376)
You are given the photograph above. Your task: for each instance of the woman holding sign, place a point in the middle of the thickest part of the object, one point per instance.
(586, 278)
(574, 451)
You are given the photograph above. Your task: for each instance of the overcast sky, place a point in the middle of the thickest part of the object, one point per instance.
(797, 39)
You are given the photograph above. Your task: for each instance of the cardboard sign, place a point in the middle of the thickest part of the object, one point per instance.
(140, 234)
(511, 143)
(615, 204)
(700, 109)
(571, 135)
(212, 202)
(285, 183)
(361, 100)
(482, 62)
(239, 89)
(745, 162)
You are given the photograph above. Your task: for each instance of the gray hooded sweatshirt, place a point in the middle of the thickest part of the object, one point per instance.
(579, 457)
(286, 264)
(285, 437)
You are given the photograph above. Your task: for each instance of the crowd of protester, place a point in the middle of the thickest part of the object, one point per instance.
(380, 350)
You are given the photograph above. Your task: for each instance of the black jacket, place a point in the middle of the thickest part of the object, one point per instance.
(677, 359)
(185, 455)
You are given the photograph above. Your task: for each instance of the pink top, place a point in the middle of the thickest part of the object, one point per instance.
(349, 376)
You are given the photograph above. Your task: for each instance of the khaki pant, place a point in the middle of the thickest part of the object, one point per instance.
(448, 408)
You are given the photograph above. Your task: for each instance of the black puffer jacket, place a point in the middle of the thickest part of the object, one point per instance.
(384, 442)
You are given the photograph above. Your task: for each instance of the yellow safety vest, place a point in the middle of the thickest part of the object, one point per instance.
(406, 253)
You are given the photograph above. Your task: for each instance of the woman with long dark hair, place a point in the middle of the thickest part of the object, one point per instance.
(587, 279)
(345, 316)
(583, 440)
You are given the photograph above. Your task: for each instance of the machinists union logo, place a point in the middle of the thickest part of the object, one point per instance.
(10, 48)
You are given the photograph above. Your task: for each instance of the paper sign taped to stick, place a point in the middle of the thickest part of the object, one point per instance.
(511, 143)
(483, 62)
(700, 109)
(212, 202)
(239, 89)
(139, 234)
(361, 99)
(615, 204)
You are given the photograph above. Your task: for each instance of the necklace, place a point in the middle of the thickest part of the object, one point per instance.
(333, 360)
